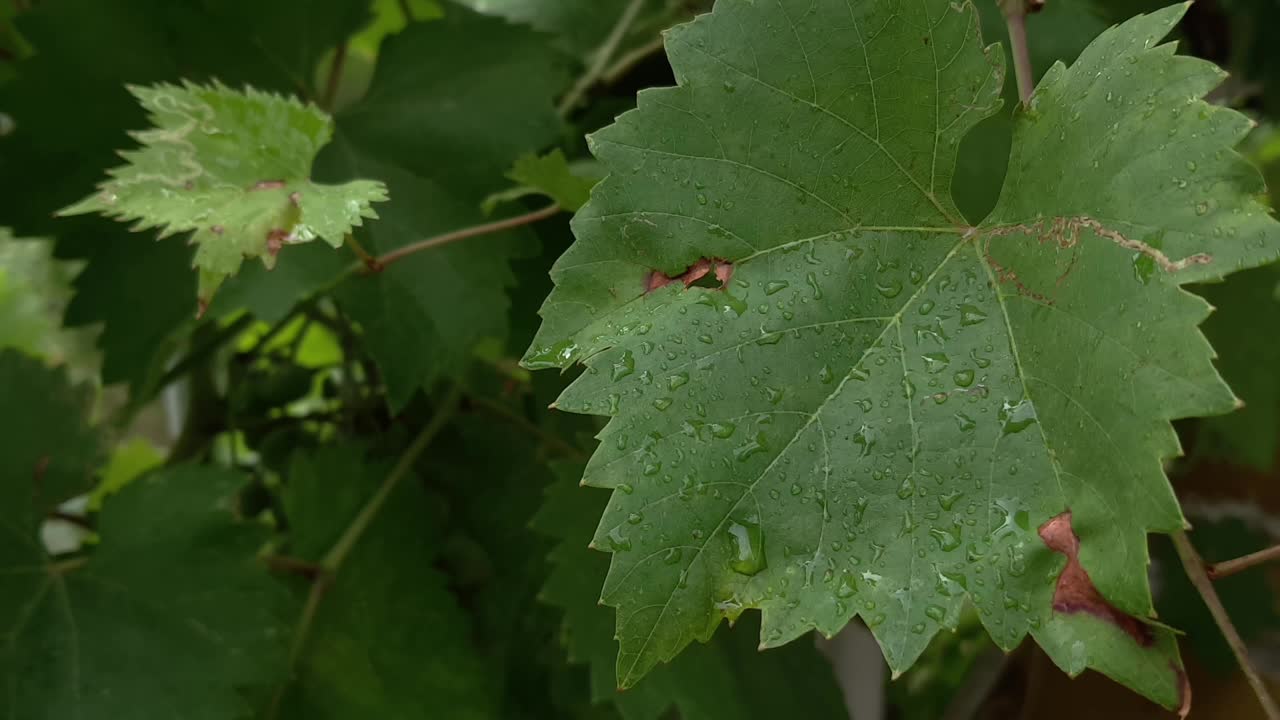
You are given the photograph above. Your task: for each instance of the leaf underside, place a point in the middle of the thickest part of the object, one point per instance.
(831, 396)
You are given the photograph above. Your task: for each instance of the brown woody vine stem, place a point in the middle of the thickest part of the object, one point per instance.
(1195, 568)
(600, 59)
(1228, 568)
(335, 77)
(380, 263)
(407, 11)
(629, 60)
(331, 564)
(1015, 14)
(550, 439)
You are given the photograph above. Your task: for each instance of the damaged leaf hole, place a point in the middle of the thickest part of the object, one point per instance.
(710, 273)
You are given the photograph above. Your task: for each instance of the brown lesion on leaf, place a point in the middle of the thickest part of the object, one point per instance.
(1075, 592)
(1065, 233)
(704, 269)
(268, 185)
(276, 239)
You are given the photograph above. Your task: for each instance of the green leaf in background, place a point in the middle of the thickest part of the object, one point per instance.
(170, 615)
(1243, 330)
(832, 396)
(550, 175)
(364, 653)
(34, 291)
(727, 678)
(453, 103)
(234, 168)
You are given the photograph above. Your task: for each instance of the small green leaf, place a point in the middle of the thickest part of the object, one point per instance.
(551, 175)
(1243, 330)
(234, 168)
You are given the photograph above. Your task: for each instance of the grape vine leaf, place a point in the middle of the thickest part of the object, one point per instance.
(166, 617)
(830, 395)
(452, 104)
(56, 151)
(234, 168)
(727, 678)
(364, 654)
(1243, 329)
(569, 186)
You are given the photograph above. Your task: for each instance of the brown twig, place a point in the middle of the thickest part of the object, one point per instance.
(1195, 568)
(327, 571)
(627, 61)
(335, 77)
(1228, 568)
(600, 59)
(1015, 15)
(476, 230)
(550, 439)
(368, 259)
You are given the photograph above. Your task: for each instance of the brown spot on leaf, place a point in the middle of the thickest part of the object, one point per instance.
(723, 270)
(1075, 592)
(217, 229)
(296, 198)
(275, 240)
(268, 185)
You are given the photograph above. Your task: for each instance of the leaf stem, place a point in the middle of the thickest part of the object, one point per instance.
(407, 11)
(551, 439)
(342, 548)
(629, 60)
(1015, 15)
(1228, 568)
(365, 257)
(327, 571)
(380, 263)
(1195, 568)
(600, 59)
(335, 77)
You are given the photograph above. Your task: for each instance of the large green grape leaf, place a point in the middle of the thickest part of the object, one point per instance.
(830, 395)
(727, 678)
(388, 638)
(168, 616)
(234, 168)
(452, 104)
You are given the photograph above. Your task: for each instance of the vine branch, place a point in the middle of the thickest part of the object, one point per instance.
(327, 571)
(629, 60)
(1015, 15)
(550, 439)
(1195, 568)
(378, 264)
(600, 58)
(1228, 568)
(335, 77)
